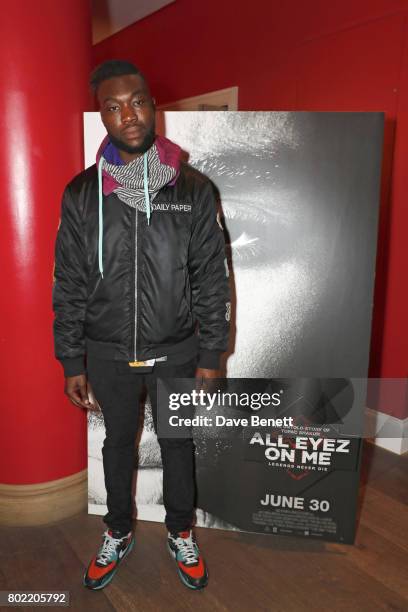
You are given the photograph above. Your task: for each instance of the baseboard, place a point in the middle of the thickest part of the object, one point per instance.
(387, 431)
(43, 503)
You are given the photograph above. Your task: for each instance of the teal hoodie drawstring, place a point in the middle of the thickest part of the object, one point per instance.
(100, 200)
(100, 197)
(146, 189)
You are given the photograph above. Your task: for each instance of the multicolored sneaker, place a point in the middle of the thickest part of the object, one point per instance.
(103, 566)
(190, 564)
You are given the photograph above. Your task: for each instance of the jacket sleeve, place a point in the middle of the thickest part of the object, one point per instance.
(69, 292)
(208, 272)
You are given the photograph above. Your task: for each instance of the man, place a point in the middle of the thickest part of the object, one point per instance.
(139, 265)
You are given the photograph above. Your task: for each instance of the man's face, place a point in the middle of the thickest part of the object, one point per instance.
(128, 113)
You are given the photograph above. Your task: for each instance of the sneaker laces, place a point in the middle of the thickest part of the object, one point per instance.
(187, 547)
(108, 548)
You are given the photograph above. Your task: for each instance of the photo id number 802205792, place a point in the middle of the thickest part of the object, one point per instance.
(34, 598)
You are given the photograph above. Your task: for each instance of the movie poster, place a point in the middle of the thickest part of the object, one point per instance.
(299, 199)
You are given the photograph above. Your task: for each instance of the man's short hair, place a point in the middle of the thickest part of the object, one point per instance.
(112, 68)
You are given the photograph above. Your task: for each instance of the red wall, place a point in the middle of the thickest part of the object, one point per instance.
(300, 55)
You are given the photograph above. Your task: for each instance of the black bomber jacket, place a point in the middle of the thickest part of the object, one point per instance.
(165, 288)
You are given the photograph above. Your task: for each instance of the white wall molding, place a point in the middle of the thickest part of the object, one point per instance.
(387, 431)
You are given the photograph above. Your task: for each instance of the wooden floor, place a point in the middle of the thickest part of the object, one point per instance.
(247, 572)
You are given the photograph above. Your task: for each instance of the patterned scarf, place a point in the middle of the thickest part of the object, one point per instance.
(130, 178)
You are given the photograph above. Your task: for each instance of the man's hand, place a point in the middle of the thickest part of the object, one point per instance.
(205, 373)
(77, 389)
(204, 378)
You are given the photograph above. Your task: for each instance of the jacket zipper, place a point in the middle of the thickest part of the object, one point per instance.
(135, 312)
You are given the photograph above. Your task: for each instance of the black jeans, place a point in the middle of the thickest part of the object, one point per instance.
(117, 388)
